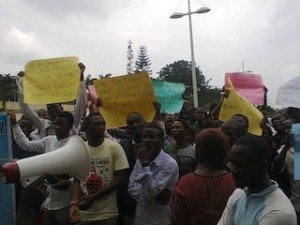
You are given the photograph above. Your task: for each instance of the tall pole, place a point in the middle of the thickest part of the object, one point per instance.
(194, 79)
(243, 66)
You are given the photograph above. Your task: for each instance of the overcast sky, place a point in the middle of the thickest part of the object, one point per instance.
(264, 34)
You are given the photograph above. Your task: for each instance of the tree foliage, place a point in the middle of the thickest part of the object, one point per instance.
(8, 88)
(129, 67)
(143, 63)
(181, 71)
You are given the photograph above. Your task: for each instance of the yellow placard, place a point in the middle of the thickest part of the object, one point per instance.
(51, 80)
(236, 104)
(123, 95)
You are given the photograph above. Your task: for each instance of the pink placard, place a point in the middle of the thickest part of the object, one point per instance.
(249, 85)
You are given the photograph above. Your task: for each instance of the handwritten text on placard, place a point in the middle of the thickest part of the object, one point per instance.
(51, 80)
(123, 95)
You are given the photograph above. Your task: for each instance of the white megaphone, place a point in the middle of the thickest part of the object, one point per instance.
(73, 159)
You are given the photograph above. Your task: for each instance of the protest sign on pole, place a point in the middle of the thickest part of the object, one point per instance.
(7, 191)
(237, 104)
(169, 95)
(296, 133)
(51, 80)
(288, 94)
(248, 85)
(123, 95)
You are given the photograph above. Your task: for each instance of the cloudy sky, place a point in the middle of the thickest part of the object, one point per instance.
(264, 34)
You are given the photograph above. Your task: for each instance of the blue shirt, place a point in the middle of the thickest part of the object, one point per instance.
(145, 183)
(268, 207)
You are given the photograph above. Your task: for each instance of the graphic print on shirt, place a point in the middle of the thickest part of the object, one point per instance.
(98, 177)
(93, 181)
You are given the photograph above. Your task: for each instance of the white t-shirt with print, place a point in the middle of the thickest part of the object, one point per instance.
(107, 158)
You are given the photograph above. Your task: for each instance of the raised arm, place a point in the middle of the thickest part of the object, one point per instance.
(21, 139)
(26, 110)
(81, 101)
(279, 162)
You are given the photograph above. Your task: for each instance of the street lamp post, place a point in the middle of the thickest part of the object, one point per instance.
(177, 15)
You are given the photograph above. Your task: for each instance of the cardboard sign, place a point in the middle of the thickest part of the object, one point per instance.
(169, 95)
(248, 85)
(7, 191)
(237, 104)
(123, 95)
(288, 94)
(51, 80)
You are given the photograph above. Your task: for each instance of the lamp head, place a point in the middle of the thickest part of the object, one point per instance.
(203, 9)
(177, 15)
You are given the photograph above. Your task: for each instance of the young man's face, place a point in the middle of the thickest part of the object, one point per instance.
(243, 167)
(26, 127)
(240, 120)
(62, 127)
(96, 127)
(135, 124)
(53, 110)
(151, 140)
(42, 113)
(178, 130)
(200, 113)
(168, 123)
(278, 122)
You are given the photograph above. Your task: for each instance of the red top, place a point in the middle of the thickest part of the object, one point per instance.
(201, 200)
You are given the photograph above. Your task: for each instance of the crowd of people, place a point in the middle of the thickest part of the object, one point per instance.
(185, 168)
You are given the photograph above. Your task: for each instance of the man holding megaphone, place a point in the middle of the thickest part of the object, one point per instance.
(60, 190)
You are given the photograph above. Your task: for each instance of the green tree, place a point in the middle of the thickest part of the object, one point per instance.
(129, 58)
(8, 88)
(181, 71)
(143, 63)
